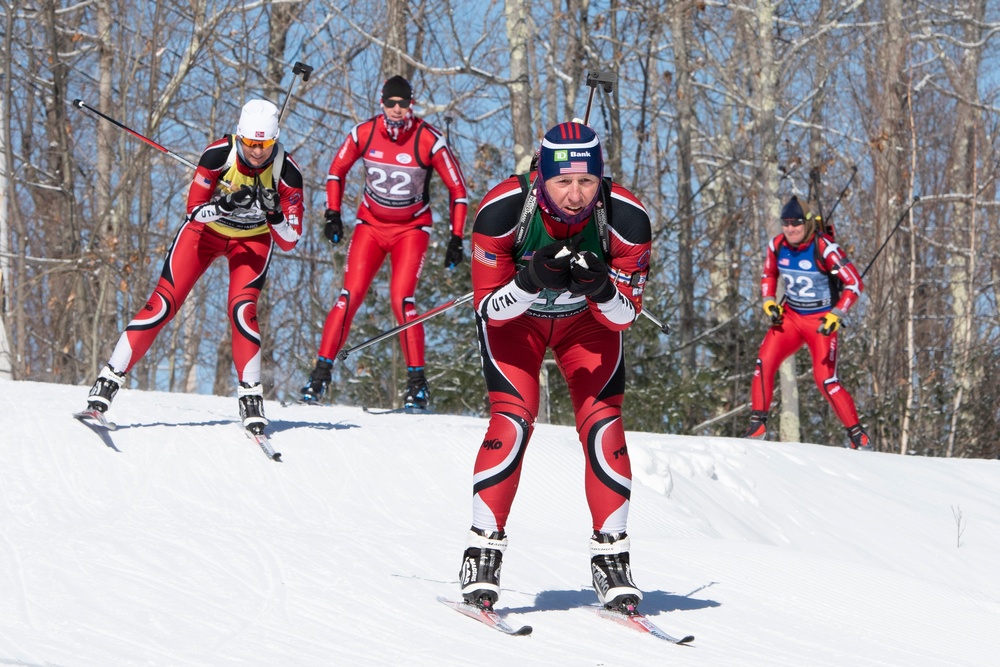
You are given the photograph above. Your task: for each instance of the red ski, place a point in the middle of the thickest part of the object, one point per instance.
(633, 619)
(486, 617)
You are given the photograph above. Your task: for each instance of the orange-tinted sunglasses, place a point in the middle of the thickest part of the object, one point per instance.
(254, 143)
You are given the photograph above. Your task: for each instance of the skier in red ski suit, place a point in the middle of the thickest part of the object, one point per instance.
(812, 268)
(559, 262)
(246, 196)
(398, 150)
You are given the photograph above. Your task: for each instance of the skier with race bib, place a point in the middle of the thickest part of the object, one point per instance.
(246, 197)
(398, 151)
(559, 262)
(813, 270)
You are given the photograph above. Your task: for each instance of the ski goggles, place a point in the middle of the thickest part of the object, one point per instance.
(257, 143)
(792, 222)
(388, 104)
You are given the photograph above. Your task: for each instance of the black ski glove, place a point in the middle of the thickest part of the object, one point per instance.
(241, 199)
(333, 230)
(589, 278)
(549, 267)
(453, 255)
(267, 199)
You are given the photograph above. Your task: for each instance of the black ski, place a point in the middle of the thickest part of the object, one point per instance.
(486, 616)
(396, 411)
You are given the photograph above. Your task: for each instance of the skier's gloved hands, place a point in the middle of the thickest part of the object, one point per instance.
(831, 322)
(454, 254)
(549, 268)
(774, 311)
(241, 199)
(333, 230)
(589, 277)
(267, 199)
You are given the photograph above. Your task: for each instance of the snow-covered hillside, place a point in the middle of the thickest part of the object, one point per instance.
(174, 541)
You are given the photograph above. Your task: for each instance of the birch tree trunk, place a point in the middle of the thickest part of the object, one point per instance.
(519, 33)
(680, 29)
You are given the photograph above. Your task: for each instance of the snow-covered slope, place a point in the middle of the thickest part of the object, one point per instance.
(174, 541)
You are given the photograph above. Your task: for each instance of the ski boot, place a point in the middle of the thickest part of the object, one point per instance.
(252, 407)
(859, 439)
(104, 390)
(480, 573)
(609, 565)
(319, 380)
(417, 393)
(757, 428)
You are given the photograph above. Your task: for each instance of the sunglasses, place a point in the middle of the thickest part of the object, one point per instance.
(388, 104)
(257, 143)
(792, 222)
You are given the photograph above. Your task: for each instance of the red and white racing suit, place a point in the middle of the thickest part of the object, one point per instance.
(394, 219)
(516, 328)
(244, 237)
(805, 271)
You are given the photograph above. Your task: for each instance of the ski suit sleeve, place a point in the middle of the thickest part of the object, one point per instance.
(496, 297)
(447, 167)
(287, 232)
(346, 156)
(630, 237)
(769, 276)
(200, 205)
(836, 262)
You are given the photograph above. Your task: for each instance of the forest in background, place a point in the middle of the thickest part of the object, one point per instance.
(881, 112)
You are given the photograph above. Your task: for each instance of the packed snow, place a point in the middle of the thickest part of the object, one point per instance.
(175, 541)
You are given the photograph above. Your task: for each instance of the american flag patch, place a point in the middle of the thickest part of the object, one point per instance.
(484, 257)
(207, 182)
(574, 168)
(375, 154)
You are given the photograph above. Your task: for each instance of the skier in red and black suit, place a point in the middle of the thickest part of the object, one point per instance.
(568, 275)
(807, 262)
(245, 197)
(399, 150)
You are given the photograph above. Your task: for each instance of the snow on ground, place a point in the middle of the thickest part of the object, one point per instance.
(174, 541)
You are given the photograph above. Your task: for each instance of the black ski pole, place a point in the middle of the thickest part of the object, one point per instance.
(817, 191)
(343, 354)
(298, 68)
(79, 104)
(898, 223)
(854, 172)
(664, 327)
(607, 79)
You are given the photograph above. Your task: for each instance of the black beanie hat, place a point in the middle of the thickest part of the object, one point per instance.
(793, 210)
(397, 86)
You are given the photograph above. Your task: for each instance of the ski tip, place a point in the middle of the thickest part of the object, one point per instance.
(686, 640)
(277, 458)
